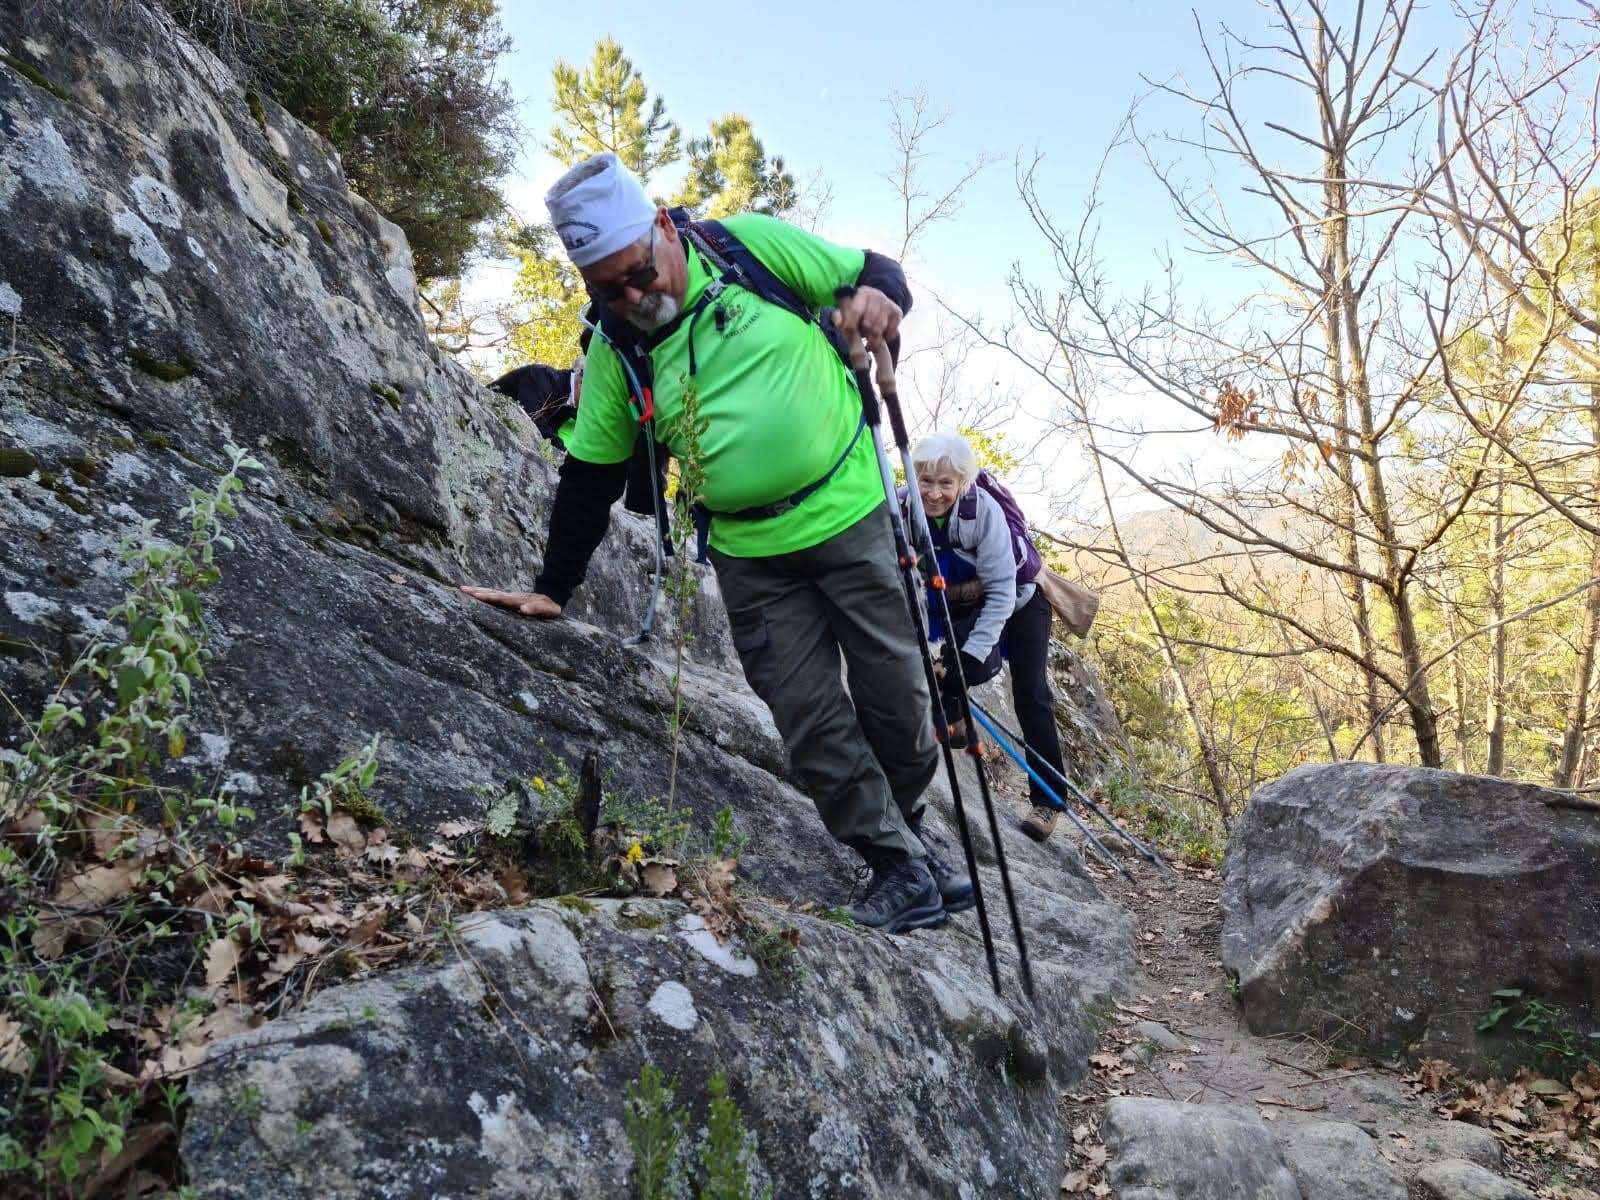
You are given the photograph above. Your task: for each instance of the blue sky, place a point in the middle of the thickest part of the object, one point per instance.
(1016, 78)
(813, 78)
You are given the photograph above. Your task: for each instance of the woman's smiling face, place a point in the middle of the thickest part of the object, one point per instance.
(940, 487)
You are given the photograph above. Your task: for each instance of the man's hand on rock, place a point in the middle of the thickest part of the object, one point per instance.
(525, 604)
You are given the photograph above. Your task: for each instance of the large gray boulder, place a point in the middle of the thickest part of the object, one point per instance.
(501, 1072)
(186, 268)
(1378, 907)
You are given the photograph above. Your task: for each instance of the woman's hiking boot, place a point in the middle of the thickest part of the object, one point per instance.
(902, 895)
(955, 887)
(1041, 822)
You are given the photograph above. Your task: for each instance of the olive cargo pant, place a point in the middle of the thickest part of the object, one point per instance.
(865, 756)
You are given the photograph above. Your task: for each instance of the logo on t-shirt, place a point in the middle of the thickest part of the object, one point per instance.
(736, 317)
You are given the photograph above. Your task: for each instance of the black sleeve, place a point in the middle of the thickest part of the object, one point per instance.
(578, 521)
(884, 273)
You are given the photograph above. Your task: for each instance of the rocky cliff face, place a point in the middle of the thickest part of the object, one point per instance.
(183, 267)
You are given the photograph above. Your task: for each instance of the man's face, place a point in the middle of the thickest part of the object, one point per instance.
(643, 283)
(940, 488)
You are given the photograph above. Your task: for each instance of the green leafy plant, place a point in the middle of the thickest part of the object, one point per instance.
(81, 944)
(684, 585)
(655, 1128)
(1543, 1028)
(501, 819)
(725, 841)
(345, 787)
(728, 1150)
(774, 950)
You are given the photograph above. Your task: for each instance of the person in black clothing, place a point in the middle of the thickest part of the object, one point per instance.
(551, 395)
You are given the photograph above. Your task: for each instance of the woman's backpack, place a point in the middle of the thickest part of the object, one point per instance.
(1022, 547)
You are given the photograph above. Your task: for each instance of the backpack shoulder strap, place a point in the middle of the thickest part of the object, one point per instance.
(714, 239)
(967, 506)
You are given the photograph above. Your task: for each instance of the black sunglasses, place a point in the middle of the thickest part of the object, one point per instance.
(638, 279)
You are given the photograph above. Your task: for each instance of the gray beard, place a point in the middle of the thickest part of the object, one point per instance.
(654, 311)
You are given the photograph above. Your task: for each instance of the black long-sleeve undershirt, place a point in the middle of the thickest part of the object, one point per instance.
(581, 511)
(882, 272)
(579, 517)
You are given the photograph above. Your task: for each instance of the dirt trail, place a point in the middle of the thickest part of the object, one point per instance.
(1214, 1059)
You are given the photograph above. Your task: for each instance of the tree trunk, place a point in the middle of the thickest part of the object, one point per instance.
(1583, 681)
(1458, 673)
(1345, 507)
(1419, 703)
(1494, 712)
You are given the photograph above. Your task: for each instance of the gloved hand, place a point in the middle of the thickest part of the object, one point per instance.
(971, 668)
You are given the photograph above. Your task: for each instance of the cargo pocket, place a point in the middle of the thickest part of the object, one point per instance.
(752, 641)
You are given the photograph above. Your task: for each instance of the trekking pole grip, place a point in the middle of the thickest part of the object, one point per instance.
(889, 392)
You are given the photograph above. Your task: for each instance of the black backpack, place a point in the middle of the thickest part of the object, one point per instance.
(544, 393)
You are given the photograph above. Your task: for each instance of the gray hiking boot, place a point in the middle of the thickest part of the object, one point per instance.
(1040, 823)
(955, 887)
(901, 896)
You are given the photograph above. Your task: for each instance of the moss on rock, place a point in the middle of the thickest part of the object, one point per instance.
(36, 77)
(164, 369)
(16, 463)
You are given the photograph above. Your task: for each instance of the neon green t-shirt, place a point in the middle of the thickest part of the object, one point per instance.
(778, 405)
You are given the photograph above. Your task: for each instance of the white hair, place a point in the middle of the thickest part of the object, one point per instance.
(948, 450)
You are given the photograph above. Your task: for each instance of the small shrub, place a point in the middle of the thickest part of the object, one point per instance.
(728, 1150)
(655, 1128)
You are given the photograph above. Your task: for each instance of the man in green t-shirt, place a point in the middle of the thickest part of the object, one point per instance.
(799, 531)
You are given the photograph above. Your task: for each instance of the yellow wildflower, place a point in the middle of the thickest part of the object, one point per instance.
(635, 853)
(538, 783)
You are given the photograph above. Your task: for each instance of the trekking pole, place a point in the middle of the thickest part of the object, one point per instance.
(908, 562)
(1021, 759)
(996, 728)
(872, 416)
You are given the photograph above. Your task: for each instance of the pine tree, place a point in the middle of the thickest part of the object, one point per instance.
(606, 105)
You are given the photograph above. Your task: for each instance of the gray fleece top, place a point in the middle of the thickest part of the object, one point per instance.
(985, 542)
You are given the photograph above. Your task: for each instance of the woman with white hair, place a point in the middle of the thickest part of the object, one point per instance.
(998, 612)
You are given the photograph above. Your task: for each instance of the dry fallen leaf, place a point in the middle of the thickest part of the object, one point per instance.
(311, 828)
(222, 960)
(515, 883)
(1074, 1182)
(50, 938)
(1108, 1062)
(14, 1054)
(658, 877)
(346, 835)
(98, 885)
(380, 850)
(455, 829)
